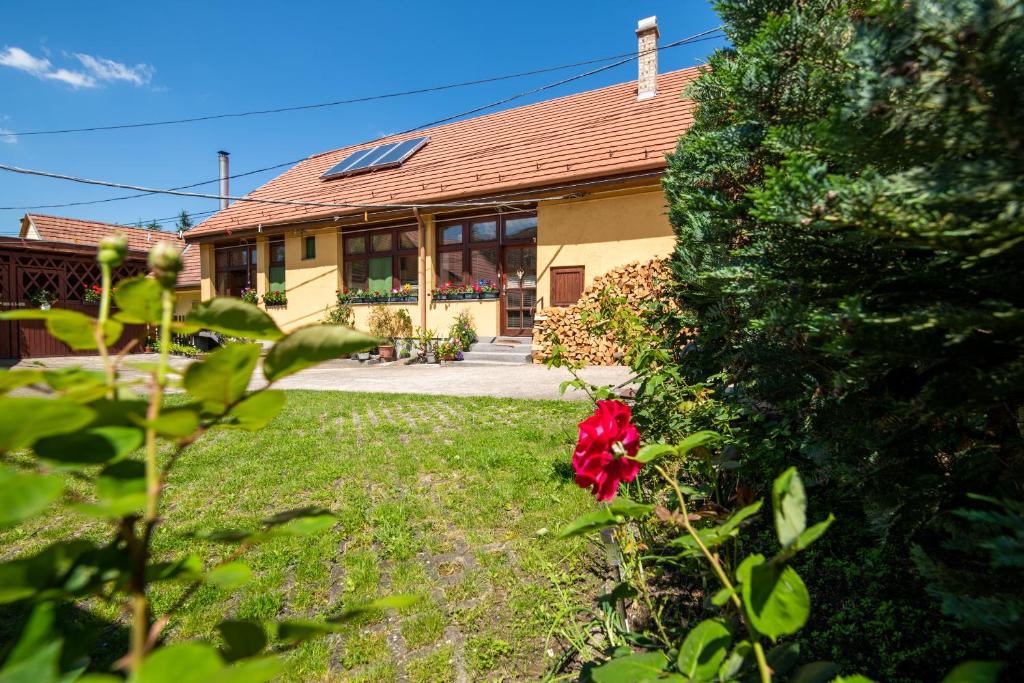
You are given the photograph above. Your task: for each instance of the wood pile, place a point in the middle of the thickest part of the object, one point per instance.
(574, 327)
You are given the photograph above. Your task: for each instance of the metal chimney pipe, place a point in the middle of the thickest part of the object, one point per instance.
(223, 157)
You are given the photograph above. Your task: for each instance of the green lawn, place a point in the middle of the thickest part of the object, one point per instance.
(445, 497)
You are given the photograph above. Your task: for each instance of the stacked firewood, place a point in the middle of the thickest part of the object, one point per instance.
(577, 330)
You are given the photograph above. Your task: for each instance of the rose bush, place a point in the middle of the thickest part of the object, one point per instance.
(607, 440)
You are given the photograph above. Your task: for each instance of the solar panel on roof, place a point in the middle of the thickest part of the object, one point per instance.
(389, 155)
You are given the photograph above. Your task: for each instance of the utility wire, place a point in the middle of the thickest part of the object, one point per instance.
(705, 35)
(335, 103)
(699, 37)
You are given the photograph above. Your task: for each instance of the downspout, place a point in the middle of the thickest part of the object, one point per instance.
(422, 298)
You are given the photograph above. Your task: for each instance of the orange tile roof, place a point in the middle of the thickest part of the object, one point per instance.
(89, 233)
(595, 134)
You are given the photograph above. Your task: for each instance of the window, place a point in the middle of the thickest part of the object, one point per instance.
(469, 249)
(382, 260)
(309, 247)
(566, 285)
(234, 269)
(276, 273)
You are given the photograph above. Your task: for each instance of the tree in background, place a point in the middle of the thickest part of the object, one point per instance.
(851, 253)
(153, 225)
(184, 223)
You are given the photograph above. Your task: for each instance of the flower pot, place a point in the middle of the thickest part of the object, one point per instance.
(44, 306)
(431, 358)
(490, 295)
(387, 352)
(364, 356)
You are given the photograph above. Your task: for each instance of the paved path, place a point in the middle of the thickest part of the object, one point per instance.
(509, 381)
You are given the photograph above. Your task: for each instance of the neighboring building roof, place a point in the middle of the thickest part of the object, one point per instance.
(84, 233)
(595, 134)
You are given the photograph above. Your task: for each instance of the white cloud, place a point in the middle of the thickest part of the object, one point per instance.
(97, 69)
(108, 70)
(16, 58)
(76, 79)
(6, 136)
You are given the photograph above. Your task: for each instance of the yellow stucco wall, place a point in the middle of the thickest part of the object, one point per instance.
(184, 301)
(600, 234)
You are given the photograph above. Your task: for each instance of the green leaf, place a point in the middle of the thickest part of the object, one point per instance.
(617, 511)
(736, 660)
(229, 576)
(234, 318)
(252, 670)
(775, 598)
(77, 384)
(223, 376)
(15, 379)
(75, 329)
(814, 533)
(297, 630)
(815, 672)
(256, 411)
(36, 633)
(24, 495)
(41, 666)
(242, 639)
(722, 596)
(790, 504)
(390, 602)
(176, 423)
(652, 452)
(25, 420)
(311, 345)
(139, 300)
(975, 672)
(704, 650)
(649, 666)
(180, 663)
(90, 447)
(25, 576)
(121, 490)
(696, 440)
(187, 568)
(782, 658)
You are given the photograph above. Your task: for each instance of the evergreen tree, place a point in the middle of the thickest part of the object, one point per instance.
(851, 253)
(153, 225)
(184, 223)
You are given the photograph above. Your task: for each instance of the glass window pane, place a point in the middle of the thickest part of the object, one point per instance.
(409, 239)
(277, 253)
(355, 245)
(380, 241)
(310, 247)
(408, 271)
(483, 264)
(483, 231)
(513, 320)
(236, 257)
(222, 260)
(357, 274)
(380, 274)
(451, 235)
(521, 228)
(450, 267)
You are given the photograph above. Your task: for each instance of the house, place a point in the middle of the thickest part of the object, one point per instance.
(539, 200)
(58, 255)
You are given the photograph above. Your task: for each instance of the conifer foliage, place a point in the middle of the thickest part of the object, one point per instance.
(849, 207)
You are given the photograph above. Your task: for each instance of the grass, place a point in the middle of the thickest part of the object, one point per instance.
(448, 498)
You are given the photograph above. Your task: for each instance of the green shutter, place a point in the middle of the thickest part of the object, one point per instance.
(277, 278)
(380, 274)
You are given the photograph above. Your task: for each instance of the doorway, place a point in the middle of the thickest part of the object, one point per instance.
(519, 290)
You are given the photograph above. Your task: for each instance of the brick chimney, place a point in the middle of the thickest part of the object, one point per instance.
(647, 58)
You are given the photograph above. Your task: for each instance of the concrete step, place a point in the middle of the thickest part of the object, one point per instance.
(506, 341)
(488, 363)
(497, 357)
(499, 348)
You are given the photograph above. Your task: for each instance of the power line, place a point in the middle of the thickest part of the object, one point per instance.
(705, 35)
(335, 103)
(699, 37)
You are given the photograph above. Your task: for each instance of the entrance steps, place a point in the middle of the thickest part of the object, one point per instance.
(500, 351)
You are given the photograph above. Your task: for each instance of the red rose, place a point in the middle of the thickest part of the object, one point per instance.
(606, 438)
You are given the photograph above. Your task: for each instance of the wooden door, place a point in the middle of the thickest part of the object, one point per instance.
(519, 290)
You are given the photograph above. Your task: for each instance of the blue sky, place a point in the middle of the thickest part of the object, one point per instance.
(73, 64)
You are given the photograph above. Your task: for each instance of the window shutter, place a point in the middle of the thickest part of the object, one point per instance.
(566, 285)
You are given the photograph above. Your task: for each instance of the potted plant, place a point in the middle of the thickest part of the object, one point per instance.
(43, 298)
(275, 298)
(462, 330)
(445, 292)
(486, 289)
(248, 295)
(92, 294)
(425, 345)
(448, 350)
(407, 293)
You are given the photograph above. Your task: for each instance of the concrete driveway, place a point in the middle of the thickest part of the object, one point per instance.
(509, 381)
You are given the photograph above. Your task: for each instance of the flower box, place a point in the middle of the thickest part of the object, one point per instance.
(488, 295)
(402, 299)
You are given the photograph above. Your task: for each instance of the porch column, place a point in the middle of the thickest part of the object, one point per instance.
(206, 271)
(262, 265)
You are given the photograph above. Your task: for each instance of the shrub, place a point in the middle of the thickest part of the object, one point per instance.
(387, 322)
(462, 330)
(275, 298)
(249, 296)
(97, 448)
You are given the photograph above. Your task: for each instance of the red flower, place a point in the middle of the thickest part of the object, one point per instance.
(606, 438)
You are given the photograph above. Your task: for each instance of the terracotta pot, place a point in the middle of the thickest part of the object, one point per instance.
(387, 352)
